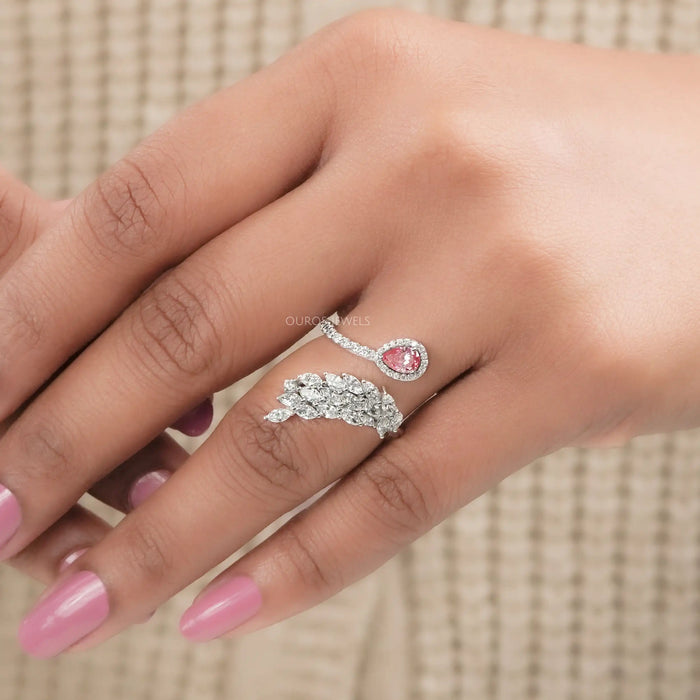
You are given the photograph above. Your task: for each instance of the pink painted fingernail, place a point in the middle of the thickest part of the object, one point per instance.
(73, 557)
(222, 609)
(77, 607)
(146, 485)
(197, 421)
(10, 515)
(70, 558)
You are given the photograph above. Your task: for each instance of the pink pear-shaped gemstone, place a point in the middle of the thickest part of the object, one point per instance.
(403, 359)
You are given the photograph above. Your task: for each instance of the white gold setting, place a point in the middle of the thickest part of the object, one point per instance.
(410, 356)
(356, 401)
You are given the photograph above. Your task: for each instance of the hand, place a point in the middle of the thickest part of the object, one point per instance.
(528, 210)
(24, 218)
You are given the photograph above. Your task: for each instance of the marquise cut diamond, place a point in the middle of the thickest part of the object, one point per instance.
(357, 402)
(278, 415)
(310, 379)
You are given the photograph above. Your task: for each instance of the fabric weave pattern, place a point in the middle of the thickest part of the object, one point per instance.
(577, 578)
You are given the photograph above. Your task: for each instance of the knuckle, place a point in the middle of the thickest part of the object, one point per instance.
(145, 551)
(371, 43)
(445, 145)
(176, 325)
(297, 557)
(269, 455)
(125, 212)
(374, 33)
(46, 451)
(442, 141)
(397, 496)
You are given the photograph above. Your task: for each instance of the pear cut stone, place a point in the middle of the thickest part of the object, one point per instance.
(402, 359)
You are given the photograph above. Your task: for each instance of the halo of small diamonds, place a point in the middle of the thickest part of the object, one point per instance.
(406, 367)
(409, 345)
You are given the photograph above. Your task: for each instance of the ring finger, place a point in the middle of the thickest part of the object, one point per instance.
(477, 431)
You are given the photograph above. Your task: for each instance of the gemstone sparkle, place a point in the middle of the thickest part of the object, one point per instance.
(403, 359)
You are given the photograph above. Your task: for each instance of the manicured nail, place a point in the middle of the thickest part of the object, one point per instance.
(77, 607)
(10, 515)
(70, 558)
(73, 557)
(198, 420)
(222, 609)
(146, 486)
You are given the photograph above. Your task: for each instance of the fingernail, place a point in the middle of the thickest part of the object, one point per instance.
(73, 557)
(198, 420)
(146, 486)
(76, 608)
(10, 515)
(222, 609)
(70, 558)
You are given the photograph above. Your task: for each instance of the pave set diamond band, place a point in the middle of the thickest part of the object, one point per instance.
(345, 397)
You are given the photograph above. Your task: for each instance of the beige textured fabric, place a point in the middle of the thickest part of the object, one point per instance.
(577, 578)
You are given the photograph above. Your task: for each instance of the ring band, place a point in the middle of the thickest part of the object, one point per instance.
(404, 359)
(356, 401)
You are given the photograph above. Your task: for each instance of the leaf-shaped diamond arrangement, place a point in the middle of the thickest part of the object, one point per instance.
(356, 401)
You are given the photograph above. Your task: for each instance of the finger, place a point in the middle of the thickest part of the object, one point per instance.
(137, 478)
(247, 474)
(130, 484)
(124, 489)
(198, 420)
(462, 443)
(210, 321)
(210, 167)
(23, 215)
(61, 545)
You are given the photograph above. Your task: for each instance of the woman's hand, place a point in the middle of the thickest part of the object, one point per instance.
(528, 210)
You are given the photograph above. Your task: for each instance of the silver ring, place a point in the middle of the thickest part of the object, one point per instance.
(404, 359)
(355, 401)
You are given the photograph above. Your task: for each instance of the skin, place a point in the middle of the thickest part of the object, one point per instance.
(526, 209)
(24, 218)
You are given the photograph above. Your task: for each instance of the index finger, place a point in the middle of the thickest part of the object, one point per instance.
(210, 167)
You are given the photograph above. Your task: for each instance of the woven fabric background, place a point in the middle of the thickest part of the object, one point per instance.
(577, 578)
